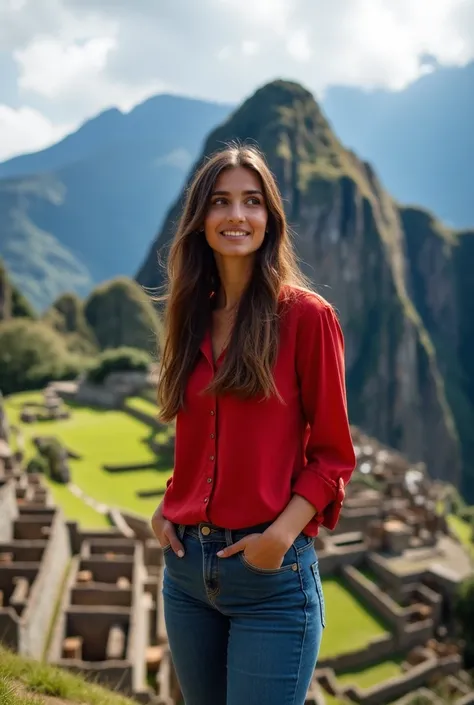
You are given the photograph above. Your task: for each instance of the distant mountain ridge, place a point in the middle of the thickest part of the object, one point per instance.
(112, 127)
(406, 371)
(85, 209)
(420, 138)
(92, 202)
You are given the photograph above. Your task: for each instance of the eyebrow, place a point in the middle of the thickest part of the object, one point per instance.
(246, 193)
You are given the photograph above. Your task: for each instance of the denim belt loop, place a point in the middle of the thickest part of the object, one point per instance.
(228, 537)
(180, 530)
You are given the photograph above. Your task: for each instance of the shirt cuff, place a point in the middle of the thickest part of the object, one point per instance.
(315, 489)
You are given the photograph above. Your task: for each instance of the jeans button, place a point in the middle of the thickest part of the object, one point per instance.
(205, 531)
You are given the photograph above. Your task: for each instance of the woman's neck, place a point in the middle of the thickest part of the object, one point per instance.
(234, 274)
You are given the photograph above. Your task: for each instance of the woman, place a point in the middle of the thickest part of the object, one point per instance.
(252, 370)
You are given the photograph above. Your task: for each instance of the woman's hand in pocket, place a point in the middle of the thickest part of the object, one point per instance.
(165, 532)
(262, 551)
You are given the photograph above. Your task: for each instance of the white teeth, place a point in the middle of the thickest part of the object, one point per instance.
(234, 233)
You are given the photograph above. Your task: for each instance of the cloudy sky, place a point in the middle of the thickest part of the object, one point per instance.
(63, 61)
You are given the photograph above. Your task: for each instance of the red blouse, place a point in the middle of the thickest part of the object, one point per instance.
(238, 462)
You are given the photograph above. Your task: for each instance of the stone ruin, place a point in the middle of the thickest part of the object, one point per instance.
(34, 548)
(391, 549)
(109, 625)
(50, 409)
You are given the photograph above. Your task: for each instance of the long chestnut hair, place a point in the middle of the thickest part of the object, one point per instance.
(193, 279)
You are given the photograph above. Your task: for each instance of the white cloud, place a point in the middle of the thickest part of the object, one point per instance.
(298, 45)
(26, 130)
(49, 66)
(249, 48)
(77, 57)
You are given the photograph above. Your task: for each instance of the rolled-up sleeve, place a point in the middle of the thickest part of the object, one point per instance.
(329, 455)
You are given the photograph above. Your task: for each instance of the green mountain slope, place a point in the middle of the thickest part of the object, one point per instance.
(420, 138)
(38, 263)
(85, 209)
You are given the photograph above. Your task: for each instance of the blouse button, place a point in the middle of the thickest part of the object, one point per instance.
(209, 479)
(206, 499)
(212, 413)
(211, 458)
(212, 435)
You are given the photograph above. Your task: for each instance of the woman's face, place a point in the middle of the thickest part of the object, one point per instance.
(237, 215)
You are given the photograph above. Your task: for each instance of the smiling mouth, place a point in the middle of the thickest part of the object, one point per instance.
(234, 234)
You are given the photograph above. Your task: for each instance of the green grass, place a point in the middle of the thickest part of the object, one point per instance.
(75, 509)
(332, 700)
(368, 677)
(101, 437)
(38, 678)
(462, 529)
(350, 624)
(140, 404)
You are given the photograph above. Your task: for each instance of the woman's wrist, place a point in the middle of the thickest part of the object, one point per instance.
(291, 522)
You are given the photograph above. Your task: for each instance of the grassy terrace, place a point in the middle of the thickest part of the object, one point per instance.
(368, 677)
(463, 530)
(350, 624)
(143, 405)
(25, 682)
(100, 437)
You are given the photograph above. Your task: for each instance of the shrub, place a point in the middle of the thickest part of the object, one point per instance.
(66, 316)
(36, 465)
(31, 355)
(122, 359)
(120, 314)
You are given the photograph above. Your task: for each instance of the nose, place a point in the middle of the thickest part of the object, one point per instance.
(236, 214)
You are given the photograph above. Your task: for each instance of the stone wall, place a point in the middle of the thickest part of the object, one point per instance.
(45, 591)
(357, 519)
(139, 622)
(396, 582)
(8, 510)
(332, 560)
(411, 680)
(27, 630)
(78, 536)
(393, 688)
(141, 527)
(377, 650)
(407, 634)
(114, 597)
(116, 387)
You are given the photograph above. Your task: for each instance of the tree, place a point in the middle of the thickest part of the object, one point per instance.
(66, 315)
(120, 314)
(119, 360)
(32, 354)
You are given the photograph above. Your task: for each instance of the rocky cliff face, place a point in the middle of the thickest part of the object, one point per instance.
(440, 274)
(12, 302)
(352, 239)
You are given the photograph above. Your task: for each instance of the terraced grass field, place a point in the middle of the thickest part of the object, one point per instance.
(100, 437)
(350, 624)
(368, 677)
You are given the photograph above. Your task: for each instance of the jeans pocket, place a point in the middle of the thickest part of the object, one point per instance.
(319, 591)
(265, 571)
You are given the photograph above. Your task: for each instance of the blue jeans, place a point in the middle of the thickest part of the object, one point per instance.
(238, 634)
